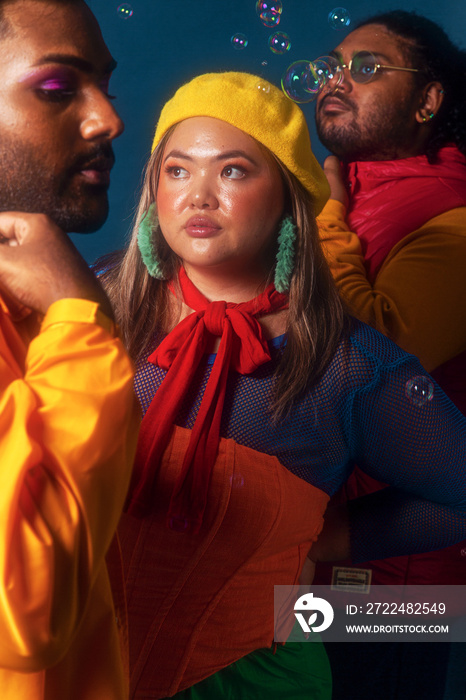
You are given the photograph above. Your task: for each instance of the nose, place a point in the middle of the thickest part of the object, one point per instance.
(202, 193)
(341, 80)
(100, 120)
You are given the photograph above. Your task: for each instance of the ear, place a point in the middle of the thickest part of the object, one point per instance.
(430, 102)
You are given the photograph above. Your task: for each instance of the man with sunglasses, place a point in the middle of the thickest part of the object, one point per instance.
(393, 114)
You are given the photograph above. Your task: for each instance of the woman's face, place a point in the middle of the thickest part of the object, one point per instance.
(219, 199)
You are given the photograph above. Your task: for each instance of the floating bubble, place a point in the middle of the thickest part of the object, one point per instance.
(239, 41)
(236, 481)
(264, 63)
(279, 42)
(263, 87)
(339, 18)
(275, 6)
(269, 12)
(300, 82)
(419, 390)
(270, 19)
(327, 68)
(125, 11)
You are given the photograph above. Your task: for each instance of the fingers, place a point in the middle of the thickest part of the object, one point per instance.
(11, 224)
(7, 229)
(10, 242)
(40, 265)
(7, 226)
(332, 163)
(16, 227)
(332, 170)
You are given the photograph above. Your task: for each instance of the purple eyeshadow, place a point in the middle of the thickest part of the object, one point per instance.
(54, 84)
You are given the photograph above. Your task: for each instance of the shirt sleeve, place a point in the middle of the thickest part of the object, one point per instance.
(406, 433)
(417, 298)
(68, 429)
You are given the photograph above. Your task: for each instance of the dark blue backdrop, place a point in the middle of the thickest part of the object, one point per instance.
(165, 43)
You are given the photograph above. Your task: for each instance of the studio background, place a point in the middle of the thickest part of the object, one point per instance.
(163, 44)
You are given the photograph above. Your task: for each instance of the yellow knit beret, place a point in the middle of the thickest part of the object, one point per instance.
(259, 109)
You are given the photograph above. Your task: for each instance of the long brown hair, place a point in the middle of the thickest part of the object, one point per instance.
(316, 319)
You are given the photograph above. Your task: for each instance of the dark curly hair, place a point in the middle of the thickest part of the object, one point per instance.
(428, 48)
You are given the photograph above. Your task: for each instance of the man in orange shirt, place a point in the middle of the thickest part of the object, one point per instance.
(395, 234)
(67, 414)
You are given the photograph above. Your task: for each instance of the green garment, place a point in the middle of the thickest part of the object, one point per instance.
(296, 671)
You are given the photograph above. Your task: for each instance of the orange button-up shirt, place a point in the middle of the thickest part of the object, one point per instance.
(68, 427)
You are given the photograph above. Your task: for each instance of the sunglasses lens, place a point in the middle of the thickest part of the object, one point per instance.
(363, 67)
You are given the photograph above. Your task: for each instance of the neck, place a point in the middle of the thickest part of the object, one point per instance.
(235, 290)
(216, 285)
(392, 151)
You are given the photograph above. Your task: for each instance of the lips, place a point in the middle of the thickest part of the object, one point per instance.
(95, 166)
(201, 227)
(332, 105)
(97, 171)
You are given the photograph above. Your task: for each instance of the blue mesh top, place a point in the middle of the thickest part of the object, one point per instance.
(375, 406)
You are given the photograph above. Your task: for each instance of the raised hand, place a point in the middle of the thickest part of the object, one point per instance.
(40, 265)
(332, 170)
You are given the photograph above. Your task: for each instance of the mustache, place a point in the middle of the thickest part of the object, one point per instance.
(102, 153)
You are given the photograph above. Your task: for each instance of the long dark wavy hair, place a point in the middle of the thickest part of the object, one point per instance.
(316, 322)
(428, 48)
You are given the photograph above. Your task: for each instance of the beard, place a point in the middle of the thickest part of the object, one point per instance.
(380, 136)
(28, 186)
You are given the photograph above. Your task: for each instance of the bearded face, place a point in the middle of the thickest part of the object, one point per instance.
(374, 120)
(74, 204)
(56, 120)
(369, 132)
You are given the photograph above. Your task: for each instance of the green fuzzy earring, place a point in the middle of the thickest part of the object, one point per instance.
(285, 255)
(149, 223)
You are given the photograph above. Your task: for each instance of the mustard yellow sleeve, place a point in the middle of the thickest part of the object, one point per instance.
(418, 298)
(68, 429)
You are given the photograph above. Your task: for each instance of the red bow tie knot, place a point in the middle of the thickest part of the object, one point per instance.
(243, 348)
(214, 317)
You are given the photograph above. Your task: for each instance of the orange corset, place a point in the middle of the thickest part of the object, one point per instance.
(197, 603)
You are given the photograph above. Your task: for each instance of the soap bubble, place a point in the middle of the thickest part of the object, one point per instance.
(339, 18)
(263, 87)
(269, 12)
(270, 19)
(264, 63)
(239, 41)
(125, 11)
(279, 42)
(301, 83)
(275, 6)
(236, 481)
(419, 390)
(328, 68)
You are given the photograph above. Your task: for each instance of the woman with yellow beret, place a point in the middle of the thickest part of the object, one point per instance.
(259, 394)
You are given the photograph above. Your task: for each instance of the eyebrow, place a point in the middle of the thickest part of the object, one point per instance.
(76, 62)
(222, 156)
(381, 58)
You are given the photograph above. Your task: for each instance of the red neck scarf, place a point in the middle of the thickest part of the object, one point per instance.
(243, 348)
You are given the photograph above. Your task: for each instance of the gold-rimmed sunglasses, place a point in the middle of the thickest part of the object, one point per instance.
(362, 67)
